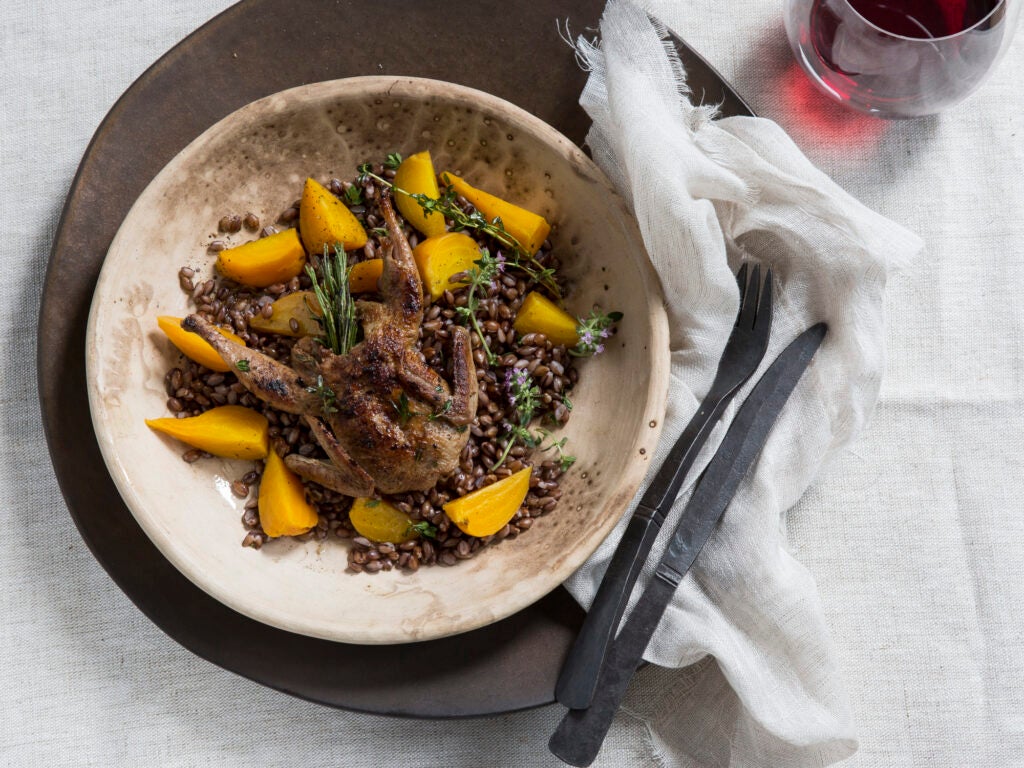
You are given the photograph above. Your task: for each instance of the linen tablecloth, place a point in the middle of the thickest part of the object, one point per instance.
(915, 535)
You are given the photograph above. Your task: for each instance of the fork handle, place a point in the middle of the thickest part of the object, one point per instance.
(579, 735)
(578, 679)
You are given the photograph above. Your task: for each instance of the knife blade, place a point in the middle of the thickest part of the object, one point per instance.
(707, 86)
(579, 735)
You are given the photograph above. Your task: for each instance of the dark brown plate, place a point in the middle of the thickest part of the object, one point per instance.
(510, 49)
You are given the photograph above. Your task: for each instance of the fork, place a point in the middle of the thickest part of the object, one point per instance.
(743, 354)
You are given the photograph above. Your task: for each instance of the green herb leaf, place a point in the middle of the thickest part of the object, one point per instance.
(593, 331)
(442, 411)
(480, 278)
(243, 366)
(402, 407)
(338, 318)
(326, 395)
(353, 195)
(393, 161)
(423, 528)
(564, 460)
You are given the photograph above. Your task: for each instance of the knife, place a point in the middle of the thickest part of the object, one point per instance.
(742, 357)
(707, 86)
(579, 735)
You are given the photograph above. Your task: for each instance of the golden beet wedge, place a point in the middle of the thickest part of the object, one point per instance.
(484, 512)
(365, 275)
(528, 228)
(231, 431)
(415, 175)
(273, 259)
(195, 347)
(326, 221)
(299, 306)
(538, 314)
(283, 508)
(377, 520)
(441, 257)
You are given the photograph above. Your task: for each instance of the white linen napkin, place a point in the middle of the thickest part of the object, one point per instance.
(699, 188)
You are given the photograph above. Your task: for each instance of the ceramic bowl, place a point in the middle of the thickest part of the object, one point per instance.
(256, 159)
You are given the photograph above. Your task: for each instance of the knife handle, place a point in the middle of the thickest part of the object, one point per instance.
(579, 735)
(578, 678)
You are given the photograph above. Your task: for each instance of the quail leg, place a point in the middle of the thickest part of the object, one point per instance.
(340, 473)
(272, 382)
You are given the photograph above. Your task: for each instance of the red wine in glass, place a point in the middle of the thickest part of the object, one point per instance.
(897, 58)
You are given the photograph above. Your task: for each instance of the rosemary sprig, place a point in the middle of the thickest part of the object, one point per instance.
(337, 316)
(446, 206)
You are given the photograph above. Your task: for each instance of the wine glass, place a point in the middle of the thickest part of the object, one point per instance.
(899, 58)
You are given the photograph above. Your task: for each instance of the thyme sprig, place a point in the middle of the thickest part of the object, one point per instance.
(525, 397)
(337, 316)
(564, 460)
(445, 206)
(592, 332)
(326, 395)
(353, 195)
(480, 278)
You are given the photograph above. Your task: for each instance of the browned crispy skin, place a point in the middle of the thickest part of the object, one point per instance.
(394, 424)
(271, 381)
